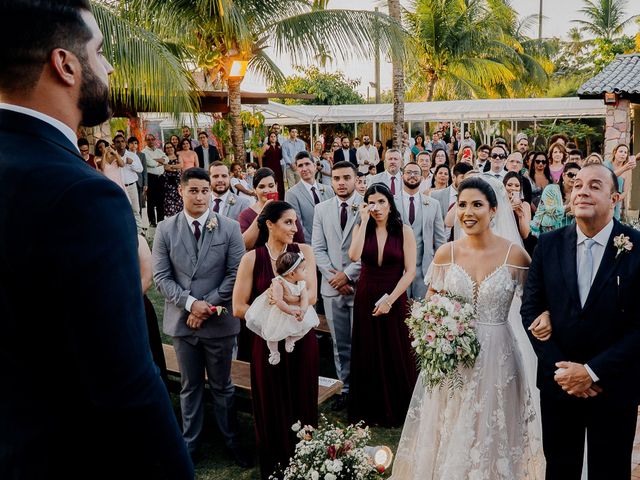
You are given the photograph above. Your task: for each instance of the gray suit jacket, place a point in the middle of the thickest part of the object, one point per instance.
(208, 273)
(442, 196)
(429, 232)
(331, 244)
(302, 202)
(233, 206)
(383, 177)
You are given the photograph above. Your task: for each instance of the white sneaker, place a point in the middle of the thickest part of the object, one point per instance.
(274, 358)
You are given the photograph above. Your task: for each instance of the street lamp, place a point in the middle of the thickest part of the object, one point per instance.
(238, 69)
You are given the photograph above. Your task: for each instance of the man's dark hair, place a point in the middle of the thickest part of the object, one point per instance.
(252, 164)
(345, 164)
(194, 172)
(132, 139)
(614, 178)
(82, 141)
(203, 133)
(119, 135)
(217, 163)
(300, 155)
(31, 30)
(461, 168)
(576, 151)
(484, 146)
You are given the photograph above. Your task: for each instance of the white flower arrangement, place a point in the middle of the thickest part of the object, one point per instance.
(444, 339)
(231, 200)
(330, 452)
(355, 207)
(212, 224)
(622, 243)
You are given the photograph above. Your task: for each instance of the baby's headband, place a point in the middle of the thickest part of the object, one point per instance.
(295, 264)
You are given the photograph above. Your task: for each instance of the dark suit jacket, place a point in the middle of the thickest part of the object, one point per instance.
(338, 156)
(82, 396)
(605, 333)
(213, 155)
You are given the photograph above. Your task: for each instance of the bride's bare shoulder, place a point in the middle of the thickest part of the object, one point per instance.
(443, 254)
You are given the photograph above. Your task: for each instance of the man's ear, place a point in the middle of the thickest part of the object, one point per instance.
(65, 66)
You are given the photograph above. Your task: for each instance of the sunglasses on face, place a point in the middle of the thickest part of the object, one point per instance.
(571, 175)
(540, 162)
(498, 155)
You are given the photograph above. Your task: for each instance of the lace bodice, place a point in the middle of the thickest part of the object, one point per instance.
(491, 297)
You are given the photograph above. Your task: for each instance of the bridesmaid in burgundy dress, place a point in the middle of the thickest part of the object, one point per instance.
(287, 392)
(271, 157)
(383, 367)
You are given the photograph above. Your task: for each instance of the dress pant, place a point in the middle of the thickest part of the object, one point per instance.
(339, 313)
(155, 198)
(132, 193)
(610, 433)
(195, 355)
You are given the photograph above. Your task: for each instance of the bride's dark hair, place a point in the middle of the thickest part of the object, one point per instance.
(477, 183)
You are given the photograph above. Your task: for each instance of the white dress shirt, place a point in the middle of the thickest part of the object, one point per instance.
(65, 129)
(597, 252)
(202, 220)
(130, 171)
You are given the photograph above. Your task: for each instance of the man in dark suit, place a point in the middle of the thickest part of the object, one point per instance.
(345, 153)
(207, 153)
(70, 288)
(587, 276)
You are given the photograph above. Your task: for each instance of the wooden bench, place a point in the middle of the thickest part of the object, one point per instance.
(241, 375)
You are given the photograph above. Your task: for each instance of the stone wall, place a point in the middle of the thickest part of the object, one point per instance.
(618, 126)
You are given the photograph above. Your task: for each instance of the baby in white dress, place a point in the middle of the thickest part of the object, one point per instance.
(282, 321)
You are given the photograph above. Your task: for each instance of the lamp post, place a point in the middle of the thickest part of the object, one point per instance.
(236, 74)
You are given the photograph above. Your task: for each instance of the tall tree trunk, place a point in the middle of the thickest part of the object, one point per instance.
(432, 85)
(398, 83)
(237, 133)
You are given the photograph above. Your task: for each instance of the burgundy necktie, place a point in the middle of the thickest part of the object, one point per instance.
(412, 211)
(216, 207)
(196, 230)
(393, 186)
(343, 215)
(316, 199)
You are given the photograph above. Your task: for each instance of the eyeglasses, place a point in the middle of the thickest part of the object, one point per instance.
(498, 155)
(571, 175)
(540, 162)
(412, 174)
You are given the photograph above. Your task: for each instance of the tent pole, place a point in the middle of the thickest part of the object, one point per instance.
(355, 129)
(375, 134)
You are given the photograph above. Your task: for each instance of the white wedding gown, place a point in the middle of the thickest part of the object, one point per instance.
(489, 429)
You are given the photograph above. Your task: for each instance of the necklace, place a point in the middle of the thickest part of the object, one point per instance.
(271, 256)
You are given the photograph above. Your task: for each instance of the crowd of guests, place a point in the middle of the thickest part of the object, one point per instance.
(356, 227)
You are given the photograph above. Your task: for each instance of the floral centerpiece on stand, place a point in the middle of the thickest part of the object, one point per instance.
(444, 339)
(330, 452)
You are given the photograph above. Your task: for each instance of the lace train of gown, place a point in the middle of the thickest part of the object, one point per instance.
(489, 429)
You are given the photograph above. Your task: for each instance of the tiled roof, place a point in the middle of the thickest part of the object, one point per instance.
(622, 75)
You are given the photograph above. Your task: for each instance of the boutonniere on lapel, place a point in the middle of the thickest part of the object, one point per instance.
(322, 189)
(354, 208)
(212, 224)
(218, 309)
(622, 243)
(425, 199)
(231, 200)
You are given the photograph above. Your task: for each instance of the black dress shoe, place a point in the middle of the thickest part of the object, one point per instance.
(340, 403)
(240, 457)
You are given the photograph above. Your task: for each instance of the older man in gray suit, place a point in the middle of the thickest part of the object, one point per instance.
(332, 228)
(423, 214)
(223, 200)
(195, 260)
(305, 195)
(392, 176)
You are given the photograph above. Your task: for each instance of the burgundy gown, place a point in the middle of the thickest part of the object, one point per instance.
(271, 159)
(284, 393)
(383, 366)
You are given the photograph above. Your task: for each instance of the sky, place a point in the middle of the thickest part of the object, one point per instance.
(557, 23)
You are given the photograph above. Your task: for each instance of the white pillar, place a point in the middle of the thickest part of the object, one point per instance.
(355, 129)
(375, 133)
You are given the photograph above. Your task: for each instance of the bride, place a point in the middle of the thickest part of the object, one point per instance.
(489, 429)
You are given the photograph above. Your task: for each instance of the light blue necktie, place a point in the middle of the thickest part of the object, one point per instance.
(585, 270)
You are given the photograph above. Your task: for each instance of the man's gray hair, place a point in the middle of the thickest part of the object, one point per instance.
(392, 150)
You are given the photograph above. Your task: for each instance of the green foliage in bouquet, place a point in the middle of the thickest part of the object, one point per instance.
(444, 339)
(331, 452)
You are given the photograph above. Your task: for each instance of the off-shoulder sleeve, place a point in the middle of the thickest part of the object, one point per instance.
(519, 275)
(435, 275)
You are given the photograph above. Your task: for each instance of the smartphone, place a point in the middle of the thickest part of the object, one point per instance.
(272, 196)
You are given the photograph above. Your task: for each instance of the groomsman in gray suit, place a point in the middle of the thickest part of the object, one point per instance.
(195, 260)
(305, 195)
(422, 213)
(223, 201)
(332, 228)
(392, 176)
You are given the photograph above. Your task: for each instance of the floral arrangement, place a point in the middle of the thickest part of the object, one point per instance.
(218, 309)
(330, 452)
(444, 339)
(622, 243)
(212, 224)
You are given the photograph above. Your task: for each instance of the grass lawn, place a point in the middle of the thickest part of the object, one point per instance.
(215, 465)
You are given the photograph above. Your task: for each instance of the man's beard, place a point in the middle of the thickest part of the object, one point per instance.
(410, 185)
(94, 98)
(226, 189)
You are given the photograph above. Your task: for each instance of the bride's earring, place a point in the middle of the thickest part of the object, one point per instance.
(492, 224)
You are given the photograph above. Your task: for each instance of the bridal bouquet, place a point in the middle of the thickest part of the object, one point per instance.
(444, 338)
(331, 453)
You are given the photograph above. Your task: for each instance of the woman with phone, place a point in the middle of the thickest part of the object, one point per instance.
(266, 189)
(383, 368)
(514, 184)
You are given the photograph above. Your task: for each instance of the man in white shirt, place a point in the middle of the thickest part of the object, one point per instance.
(207, 153)
(156, 159)
(290, 148)
(498, 158)
(483, 163)
(468, 141)
(132, 166)
(392, 176)
(366, 155)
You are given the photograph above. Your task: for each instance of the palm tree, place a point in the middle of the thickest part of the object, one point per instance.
(605, 18)
(398, 82)
(222, 31)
